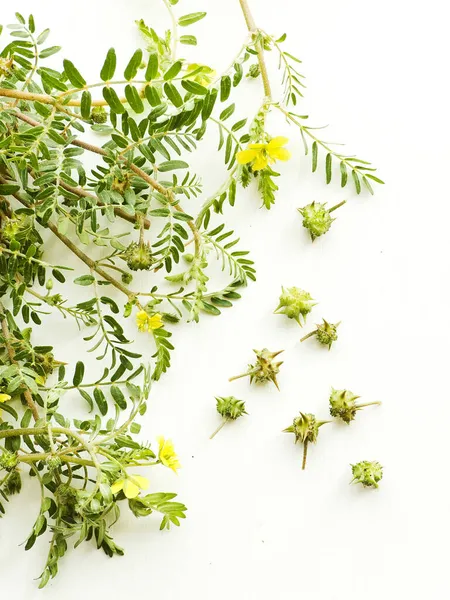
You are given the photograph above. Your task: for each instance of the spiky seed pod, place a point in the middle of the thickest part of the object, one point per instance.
(306, 430)
(8, 461)
(46, 362)
(295, 304)
(343, 405)
(326, 333)
(99, 115)
(139, 257)
(230, 408)
(317, 218)
(368, 473)
(53, 463)
(18, 228)
(264, 369)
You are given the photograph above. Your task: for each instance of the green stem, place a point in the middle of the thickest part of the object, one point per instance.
(174, 29)
(305, 454)
(367, 404)
(210, 201)
(309, 335)
(224, 422)
(32, 259)
(11, 354)
(337, 206)
(243, 375)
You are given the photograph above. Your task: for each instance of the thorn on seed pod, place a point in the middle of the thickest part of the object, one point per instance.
(368, 473)
(139, 256)
(99, 115)
(317, 218)
(326, 333)
(264, 369)
(230, 408)
(306, 430)
(343, 405)
(295, 304)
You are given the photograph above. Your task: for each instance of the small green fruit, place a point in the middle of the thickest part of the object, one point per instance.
(230, 407)
(265, 368)
(306, 430)
(368, 473)
(99, 115)
(139, 257)
(317, 218)
(295, 304)
(343, 405)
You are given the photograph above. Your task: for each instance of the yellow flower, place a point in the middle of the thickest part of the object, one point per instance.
(145, 322)
(261, 155)
(131, 485)
(167, 454)
(4, 398)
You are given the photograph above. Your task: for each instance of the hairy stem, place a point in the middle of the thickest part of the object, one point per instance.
(305, 454)
(251, 26)
(7, 337)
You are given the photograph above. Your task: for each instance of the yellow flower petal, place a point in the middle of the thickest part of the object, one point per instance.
(280, 154)
(142, 482)
(246, 156)
(167, 454)
(261, 162)
(130, 489)
(257, 146)
(277, 142)
(142, 320)
(155, 322)
(5, 397)
(117, 486)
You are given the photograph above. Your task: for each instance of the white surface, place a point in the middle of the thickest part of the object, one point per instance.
(258, 527)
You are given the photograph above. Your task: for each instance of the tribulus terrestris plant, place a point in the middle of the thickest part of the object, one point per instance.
(230, 409)
(306, 430)
(326, 333)
(344, 405)
(125, 216)
(368, 473)
(264, 369)
(295, 304)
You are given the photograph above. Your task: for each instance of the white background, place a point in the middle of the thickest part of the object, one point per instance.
(258, 527)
